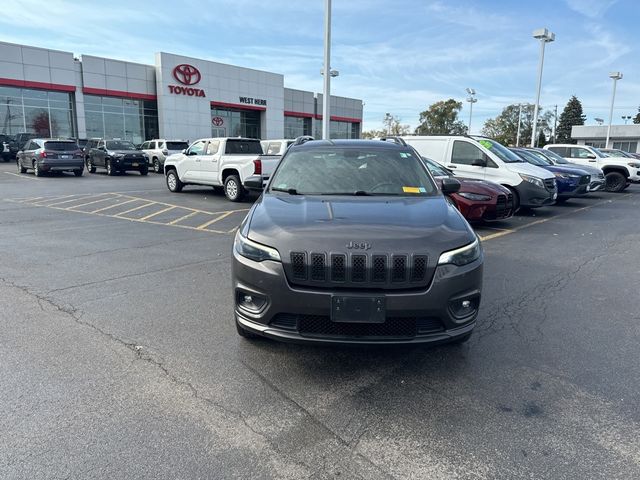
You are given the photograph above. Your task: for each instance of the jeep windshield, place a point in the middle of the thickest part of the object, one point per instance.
(503, 153)
(352, 171)
(119, 145)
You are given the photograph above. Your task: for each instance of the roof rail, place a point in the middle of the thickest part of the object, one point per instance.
(394, 139)
(303, 139)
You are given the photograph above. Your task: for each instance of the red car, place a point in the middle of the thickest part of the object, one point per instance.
(477, 200)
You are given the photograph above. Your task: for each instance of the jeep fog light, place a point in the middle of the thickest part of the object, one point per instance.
(463, 307)
(250, 301)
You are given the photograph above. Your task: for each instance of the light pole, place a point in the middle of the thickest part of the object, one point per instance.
(626, 118)
(615, 76)
(471, 99)
(519, 122)
(545, 36)
(326, 71)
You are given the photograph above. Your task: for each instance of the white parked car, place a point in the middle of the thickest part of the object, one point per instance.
(276, 147)
(619, 172)
(219, 162)
(159, 149)
(485, 159)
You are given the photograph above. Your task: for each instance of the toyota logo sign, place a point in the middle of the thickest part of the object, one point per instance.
(186, 74)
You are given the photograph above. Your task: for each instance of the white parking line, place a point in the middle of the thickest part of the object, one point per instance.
(19, 175)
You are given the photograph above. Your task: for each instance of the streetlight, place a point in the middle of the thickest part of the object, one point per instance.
(615, 76)
(545, 36)
(599, 120)
(471, 99)
(626, 118)
(327, 72)
(519, 122)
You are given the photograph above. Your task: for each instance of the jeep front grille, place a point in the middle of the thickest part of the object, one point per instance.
(358, 270)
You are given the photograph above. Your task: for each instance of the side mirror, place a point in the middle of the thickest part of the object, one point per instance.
(253, 182)
(184, 151)
(591, 156)
(479, 162)
(450, 185)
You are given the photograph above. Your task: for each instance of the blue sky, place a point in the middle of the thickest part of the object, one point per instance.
(398, 56)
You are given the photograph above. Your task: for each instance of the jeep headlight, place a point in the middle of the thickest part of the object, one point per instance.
(463, 255)
(534, 180)
(253, 250)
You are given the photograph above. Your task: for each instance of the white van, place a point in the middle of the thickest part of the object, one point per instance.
(485, 159)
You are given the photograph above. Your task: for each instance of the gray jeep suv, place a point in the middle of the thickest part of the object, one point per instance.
(352, 242)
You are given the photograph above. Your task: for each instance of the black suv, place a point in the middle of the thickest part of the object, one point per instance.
(353, 242)
(115, 156)
(50, 155)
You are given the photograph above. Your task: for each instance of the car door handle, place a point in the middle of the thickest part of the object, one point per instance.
(452, 166)
(592, 161)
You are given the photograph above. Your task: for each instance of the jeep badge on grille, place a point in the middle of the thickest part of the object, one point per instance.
(359, 245)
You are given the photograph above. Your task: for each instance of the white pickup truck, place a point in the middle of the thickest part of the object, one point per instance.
(219, 162)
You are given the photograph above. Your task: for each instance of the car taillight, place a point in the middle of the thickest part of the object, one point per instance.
(43, 154)
(257, 166)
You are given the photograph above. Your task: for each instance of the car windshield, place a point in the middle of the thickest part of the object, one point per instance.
(531, 158)
(436, 169)
(500, 151)
(615, 153)
(177, 145)
(553, 156)
(119, 145)
(598, 153)
(60, 146)
(540, 156)
(352, 171)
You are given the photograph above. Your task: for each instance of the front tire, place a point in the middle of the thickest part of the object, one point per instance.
(616, 182)
(110, 170)
(233, 189)
(21, 169)
(173, 181)
(156, 166)
(144, 171)
(91, 168)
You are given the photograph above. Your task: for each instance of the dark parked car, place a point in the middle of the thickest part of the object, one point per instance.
(477, 200)
(50, 155)
(598, 181)
(571, 182)
(353, 242)
(115, 156)
(7, 148)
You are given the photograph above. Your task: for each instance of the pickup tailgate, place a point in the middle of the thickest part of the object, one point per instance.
(269, 164)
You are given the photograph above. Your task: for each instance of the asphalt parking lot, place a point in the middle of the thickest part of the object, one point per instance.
(119, 357)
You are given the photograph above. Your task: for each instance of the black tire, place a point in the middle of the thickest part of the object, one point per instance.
(615, 182)
(36, 169)
(233, 189)
(173, 181)
(156, 166)
(21, 169)
(91, 168)
(561, 199)
(461, 339)
(110, 170)
(144, 171)
(78, 172)
(246, 333)
(516, 198)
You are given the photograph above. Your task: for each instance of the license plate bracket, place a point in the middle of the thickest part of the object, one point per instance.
(348, 309)
(134, 164)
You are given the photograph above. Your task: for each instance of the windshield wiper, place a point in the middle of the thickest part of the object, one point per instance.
(290, 191)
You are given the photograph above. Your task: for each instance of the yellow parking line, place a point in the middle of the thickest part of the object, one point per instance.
(156, 213)
(89, 203)
(188, 208)
(189, 215)
(206, 224)
(76, 197)
(111, 206)
(119, 215)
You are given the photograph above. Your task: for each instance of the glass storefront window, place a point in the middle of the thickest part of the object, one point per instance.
(339, 130)
(295, 127)
(123, 118)
(235, 123)
(41, 112)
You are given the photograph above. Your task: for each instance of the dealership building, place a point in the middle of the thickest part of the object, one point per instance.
(54, 93)
(622, 137)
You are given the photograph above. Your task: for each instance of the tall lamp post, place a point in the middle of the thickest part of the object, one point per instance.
(615, 76)
(545, 36)
(327, 72)
(519, 122)
(471, 99)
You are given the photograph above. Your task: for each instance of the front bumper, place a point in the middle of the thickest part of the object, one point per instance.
(571, 190)
(429, 310)
(130, 164)
(597, 185)
(532, 196)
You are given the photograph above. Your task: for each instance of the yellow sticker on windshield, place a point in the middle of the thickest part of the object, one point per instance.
(414, 189)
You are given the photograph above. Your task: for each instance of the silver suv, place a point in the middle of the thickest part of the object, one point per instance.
(158, 150)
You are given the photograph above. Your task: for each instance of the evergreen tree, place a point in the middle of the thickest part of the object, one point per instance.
(542, 139)
(570, 116)
(636, 119)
